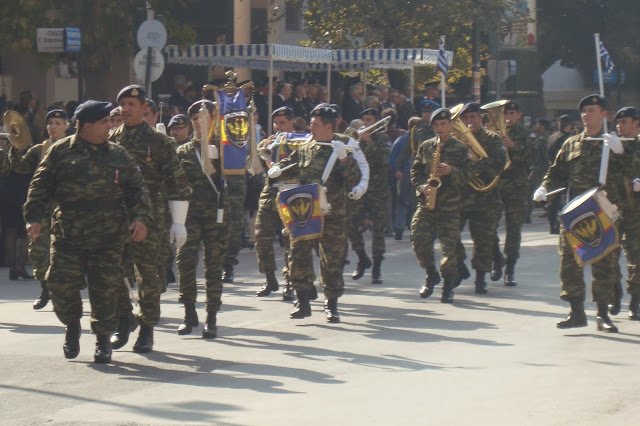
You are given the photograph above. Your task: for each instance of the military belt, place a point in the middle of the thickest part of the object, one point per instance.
(91, 205)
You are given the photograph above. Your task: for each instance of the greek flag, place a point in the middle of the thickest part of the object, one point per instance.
(442, 58)
(604, 55)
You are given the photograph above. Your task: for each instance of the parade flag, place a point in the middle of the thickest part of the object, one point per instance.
(442, 57)
(606, 58)
(234, 132)
(301, 213)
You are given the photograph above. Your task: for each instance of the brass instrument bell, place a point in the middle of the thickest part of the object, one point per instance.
(17, 130)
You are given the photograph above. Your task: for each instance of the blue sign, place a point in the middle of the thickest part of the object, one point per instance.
(72, 39)
(609, 77)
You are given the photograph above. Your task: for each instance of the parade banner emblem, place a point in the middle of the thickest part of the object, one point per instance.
(300, 212)
(290, 142)
(588, 227)
(234, 132)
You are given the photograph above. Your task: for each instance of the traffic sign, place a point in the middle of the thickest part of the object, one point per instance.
(157, 64)
(152, 33)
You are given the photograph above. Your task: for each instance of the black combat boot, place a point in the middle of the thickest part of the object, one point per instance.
(210, 330)
(126, 325)
(288, 294)
(481, 283)
(364, 263)
(509, 272)
(302, 307)
(270, 285)
(577, 317)
(42, 301)
(103, 349)
(603, 322)
(71, 345)
(227, 274)
(614, 308)
(190, 319)
(463, 271)
(634, 308)
(498, 263)
(447, 291)
(376, 275)
(331, 310)
(171, 277)
(144, 344)
(313, 292)
(433, 278)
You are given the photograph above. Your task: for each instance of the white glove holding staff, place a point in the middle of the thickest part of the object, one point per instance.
(340, 149)
(357, 192)
(636, 184)
(540, 194)
(614, 143)
(274, 172)
(178, 232)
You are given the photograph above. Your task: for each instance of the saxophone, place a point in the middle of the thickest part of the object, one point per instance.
(434, 182)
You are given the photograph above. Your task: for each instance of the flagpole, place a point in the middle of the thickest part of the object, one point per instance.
(604, 159)
(443, 94)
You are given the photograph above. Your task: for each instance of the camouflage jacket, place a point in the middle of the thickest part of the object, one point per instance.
(310, 161)
(417, 135)
(486, 169)
(155, 154)
(377, 154)
(4, 163)
(27, 162)
(203, 196)
(577, 166)
(455, 154)
(521, 156)
(94, 188)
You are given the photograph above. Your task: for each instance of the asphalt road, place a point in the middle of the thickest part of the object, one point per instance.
(394, 360)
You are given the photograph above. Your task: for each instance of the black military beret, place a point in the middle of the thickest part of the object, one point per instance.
(627, 111)
(428, 105)
(440, 114)
(284, 111)
(195, 107)
(512, 106)
(178, 120)
(55, 113)
(324, 111)
(132, 91)
(371, 111)
(92, 111)
(593, 100)
(115, 112)
(471, 107)
(338, 109)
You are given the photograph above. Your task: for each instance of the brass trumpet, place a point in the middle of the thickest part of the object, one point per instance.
(495, 112)
(378, 126)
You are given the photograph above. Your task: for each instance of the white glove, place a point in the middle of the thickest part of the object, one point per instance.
(213, 152)
(340, 149)
(636, 184)
(540, 194)
(357, 192)
(160, 127)
(274, 172)
(614, 143)
(178, 232)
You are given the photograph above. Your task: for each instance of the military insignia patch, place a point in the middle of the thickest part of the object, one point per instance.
(301, 213)
(237, 126)
(134, 92)
(234, 131)
(587, 228)
(301, 207)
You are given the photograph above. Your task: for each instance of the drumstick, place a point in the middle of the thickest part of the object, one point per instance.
(555, 191)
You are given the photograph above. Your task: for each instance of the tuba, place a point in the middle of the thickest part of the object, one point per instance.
(495, 113)
(481, 182)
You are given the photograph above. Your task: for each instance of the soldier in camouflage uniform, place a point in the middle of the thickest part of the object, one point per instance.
(577, 167)
(443, 221)
(418, 134)
(481, 208)
(90, 181)
(235, 192)
(514, 188)
(202, 227)
(27, 163)
(372, 206)
(268, 220)
(627, 123)
(540, 159)
(155, 155)
(308, 165)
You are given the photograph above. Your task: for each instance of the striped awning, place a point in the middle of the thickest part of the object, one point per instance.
(298, 58)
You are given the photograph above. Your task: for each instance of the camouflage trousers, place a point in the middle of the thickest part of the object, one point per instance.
(165, 251)
(483, 223)
(39, 250)
(332, 247)
(514, 202)
(629, 228)
(372, 207)
(234, 216)
(426, 226)
(603, 273)
(203, 228)
(267, 224)
(144, 256)
(70, 263)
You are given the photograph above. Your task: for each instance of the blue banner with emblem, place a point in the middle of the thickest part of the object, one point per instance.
(301, 213)
(234, 132)
(589, 227)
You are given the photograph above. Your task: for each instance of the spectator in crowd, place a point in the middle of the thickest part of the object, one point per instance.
(352, 105)
(283, 93)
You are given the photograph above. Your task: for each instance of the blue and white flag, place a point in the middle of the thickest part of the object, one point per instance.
(442, 57)
(604, 55)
